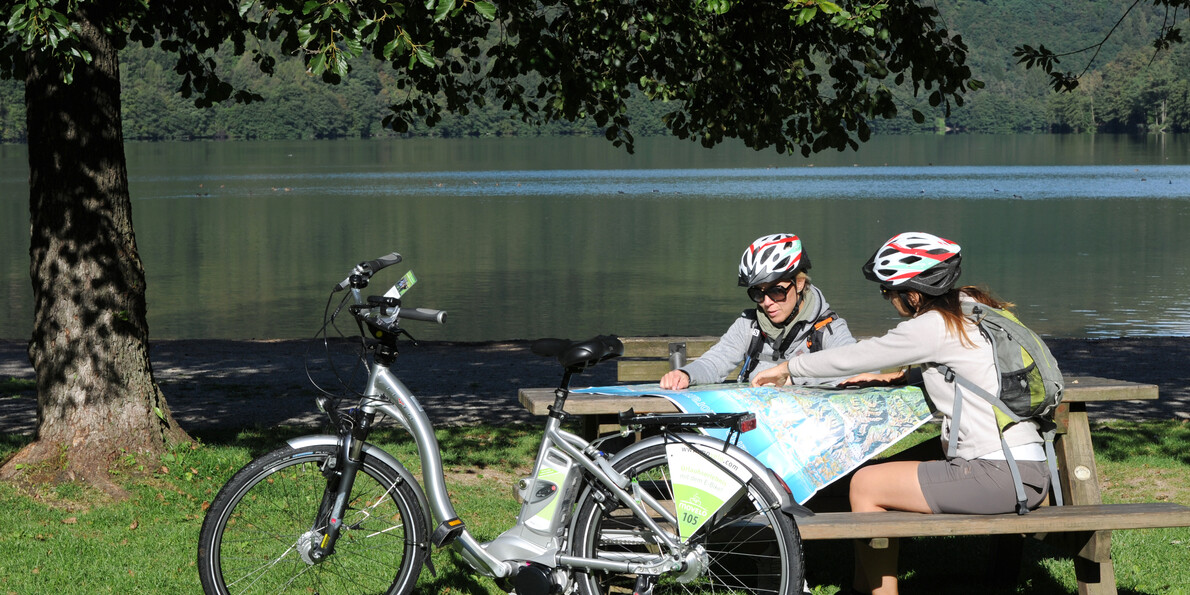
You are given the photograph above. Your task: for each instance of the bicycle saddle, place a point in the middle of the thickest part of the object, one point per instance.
(579, 354)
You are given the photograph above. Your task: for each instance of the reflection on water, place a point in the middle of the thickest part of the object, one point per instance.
(521, 238)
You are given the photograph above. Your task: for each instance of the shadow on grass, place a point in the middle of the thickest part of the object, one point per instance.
(1120, 441)
(17, 387)
(463, 446)
(946, 565)
(11, 443)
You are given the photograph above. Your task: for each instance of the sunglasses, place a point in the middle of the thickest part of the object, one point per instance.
(776, 293)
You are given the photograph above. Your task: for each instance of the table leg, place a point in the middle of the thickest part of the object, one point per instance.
(1080, 485)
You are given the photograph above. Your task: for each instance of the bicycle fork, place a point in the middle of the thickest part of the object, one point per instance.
(340, 474)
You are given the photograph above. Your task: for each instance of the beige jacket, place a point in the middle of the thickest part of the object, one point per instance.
(924, 340)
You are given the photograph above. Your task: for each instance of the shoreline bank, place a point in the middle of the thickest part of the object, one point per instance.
(215, 383)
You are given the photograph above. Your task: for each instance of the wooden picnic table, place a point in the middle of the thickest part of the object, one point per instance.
(1086, 522)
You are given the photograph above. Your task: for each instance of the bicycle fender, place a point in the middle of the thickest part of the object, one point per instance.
(379, 453)
(759, 471)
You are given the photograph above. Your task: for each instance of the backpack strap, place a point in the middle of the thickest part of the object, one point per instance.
(1048, 431)
(821, 328)
(813, 337)
(755, 343)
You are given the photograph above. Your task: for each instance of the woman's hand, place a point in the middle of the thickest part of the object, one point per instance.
(870, 379)
(777, 375)
(675, 379)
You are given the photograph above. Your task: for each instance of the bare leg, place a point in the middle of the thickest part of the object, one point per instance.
(877, 488)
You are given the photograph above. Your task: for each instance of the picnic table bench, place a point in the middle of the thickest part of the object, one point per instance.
(1082, 527)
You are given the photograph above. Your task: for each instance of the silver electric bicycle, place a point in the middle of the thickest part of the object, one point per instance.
(677, 512)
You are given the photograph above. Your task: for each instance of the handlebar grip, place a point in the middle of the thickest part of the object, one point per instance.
(382, 262)
(369, 268)
(423, 314)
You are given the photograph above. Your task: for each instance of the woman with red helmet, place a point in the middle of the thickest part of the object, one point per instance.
(791, 318)
(917, 273)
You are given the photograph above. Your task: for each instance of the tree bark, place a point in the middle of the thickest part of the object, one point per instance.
(96, 395)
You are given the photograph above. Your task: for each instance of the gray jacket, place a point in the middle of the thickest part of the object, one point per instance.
(723, 357)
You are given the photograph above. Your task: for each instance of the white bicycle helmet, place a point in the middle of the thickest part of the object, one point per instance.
(772, 258)
(915, 260)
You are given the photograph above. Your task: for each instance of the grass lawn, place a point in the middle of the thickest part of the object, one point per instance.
(70, 539)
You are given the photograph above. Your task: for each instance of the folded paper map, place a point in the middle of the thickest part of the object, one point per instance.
(809, 436)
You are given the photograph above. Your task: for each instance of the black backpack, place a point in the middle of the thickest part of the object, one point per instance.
(813, 337)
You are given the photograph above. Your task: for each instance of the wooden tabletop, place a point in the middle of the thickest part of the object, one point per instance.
(1079, 389)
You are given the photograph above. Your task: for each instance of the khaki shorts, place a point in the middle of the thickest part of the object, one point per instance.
(980, 486)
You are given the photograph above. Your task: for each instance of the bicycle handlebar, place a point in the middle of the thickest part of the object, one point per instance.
(369, 268)
(423, 314)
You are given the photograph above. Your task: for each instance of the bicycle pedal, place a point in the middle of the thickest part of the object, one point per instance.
(447, 532)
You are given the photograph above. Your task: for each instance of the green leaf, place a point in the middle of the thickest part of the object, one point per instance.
(424, 56)
(339, 64)
(486, 9)
(444, 8)
(317, 64)
(160, 413)
(310, 6)
(304, 35)
(828, 7)
(15, 23)
(393, 48)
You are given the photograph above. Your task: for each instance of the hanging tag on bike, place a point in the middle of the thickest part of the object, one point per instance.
(402, 285)
(702, 489)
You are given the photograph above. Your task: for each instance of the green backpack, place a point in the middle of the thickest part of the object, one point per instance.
(1030, 386)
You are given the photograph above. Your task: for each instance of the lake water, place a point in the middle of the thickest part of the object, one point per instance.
(520, 238)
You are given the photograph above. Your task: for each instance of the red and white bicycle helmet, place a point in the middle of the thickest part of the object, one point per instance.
(772, 258)
(916, 260)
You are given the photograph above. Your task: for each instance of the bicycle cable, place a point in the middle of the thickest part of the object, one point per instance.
(328, 322)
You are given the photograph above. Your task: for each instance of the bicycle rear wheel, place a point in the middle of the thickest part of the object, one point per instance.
(751, 548)
(261, 524)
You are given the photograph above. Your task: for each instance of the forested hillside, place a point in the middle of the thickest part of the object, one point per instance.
(1127, 88)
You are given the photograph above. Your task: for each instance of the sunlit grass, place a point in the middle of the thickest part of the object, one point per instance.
(69, 538)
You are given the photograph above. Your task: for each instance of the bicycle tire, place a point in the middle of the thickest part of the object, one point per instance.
(251, 538)
(753, 548)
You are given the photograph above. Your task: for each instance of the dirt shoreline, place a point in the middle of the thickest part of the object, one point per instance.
(213, 383)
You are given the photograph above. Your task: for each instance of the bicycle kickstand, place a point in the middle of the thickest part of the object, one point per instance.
(644, 584)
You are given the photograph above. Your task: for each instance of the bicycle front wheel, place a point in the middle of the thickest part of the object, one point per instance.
(750, 548)
(261, 526)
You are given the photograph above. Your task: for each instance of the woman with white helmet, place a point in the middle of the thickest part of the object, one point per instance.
(791, 317)
(917, 274)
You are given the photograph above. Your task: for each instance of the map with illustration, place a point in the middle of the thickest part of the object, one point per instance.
(809, 436)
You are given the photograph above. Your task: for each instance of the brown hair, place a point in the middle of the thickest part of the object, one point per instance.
(949, 306)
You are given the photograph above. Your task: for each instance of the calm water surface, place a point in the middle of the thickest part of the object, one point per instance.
(520, 238)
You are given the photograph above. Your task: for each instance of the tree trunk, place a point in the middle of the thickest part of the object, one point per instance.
(96, 396)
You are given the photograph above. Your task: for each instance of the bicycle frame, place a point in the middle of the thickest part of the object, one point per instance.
(587, 519)
(387, 395)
